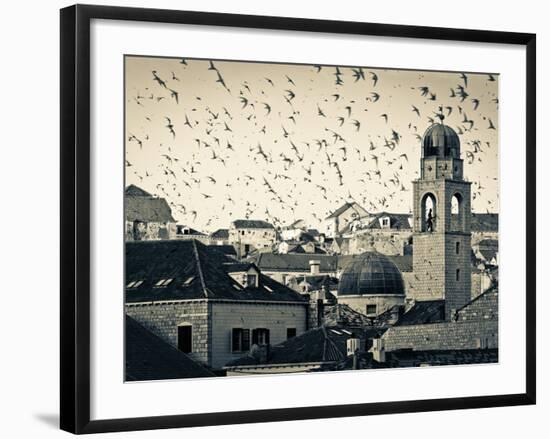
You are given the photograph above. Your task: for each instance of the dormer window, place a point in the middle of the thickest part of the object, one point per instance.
(163, 283)
(251, 280)
(188, 281)
(134, 284)
(385, 222)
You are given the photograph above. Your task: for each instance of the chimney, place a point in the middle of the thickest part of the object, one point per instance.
(314, 266)
(378, 351)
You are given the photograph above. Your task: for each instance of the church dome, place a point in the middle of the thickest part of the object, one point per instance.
(440, 140)
(371, 273)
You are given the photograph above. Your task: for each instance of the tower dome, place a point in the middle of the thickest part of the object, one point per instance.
(440, 140)
(371, 273)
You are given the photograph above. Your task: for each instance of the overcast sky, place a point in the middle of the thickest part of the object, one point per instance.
(282, 142)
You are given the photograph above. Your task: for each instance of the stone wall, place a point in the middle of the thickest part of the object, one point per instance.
(383, 303)
(150, 231)
(386, 241)
(163, 320)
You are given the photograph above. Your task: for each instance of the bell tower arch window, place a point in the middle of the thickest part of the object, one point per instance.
(427, 212)
(457, 212)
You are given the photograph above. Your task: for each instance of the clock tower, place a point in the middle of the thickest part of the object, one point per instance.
(441, 216)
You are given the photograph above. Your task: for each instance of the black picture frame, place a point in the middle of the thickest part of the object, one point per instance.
(75, 217)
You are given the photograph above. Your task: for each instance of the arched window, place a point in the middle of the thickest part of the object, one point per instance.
(457, 216)
(428, 213)
(185, 338)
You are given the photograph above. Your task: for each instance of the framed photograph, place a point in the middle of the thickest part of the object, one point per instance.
(304, 218)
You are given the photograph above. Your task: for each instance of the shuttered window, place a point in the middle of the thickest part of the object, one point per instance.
(260, 336)
(240, 340)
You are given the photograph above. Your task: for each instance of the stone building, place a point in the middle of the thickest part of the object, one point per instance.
(147, 217)
(441, 222)
(208, 305)
(186, 232)
(473, 326)
(220, 237)
(250, 235)
(342, 218)
(371, 284)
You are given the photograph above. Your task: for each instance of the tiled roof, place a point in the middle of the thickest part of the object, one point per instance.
(484, 222)
(148, 357)
(197, 271)
(345, 207)
(410, 358)
(483, 307)
(342, 314)
(252, 224)
(226, 249)
(318, 345)
(423, 312)
(398, 221)
(295, 262)
(220, 234)
(316, 281)
(141, 206)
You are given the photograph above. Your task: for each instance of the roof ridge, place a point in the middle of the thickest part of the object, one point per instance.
(199, 268)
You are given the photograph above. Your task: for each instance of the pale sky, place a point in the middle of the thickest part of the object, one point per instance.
(283, 142)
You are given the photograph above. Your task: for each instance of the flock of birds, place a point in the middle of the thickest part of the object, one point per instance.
(224, 140)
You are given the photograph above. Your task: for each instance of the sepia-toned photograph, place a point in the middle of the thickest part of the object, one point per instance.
(296, 218)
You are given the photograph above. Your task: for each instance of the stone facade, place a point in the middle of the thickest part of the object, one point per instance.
(275, 317)
(212, 323)
(441, 256)
(163, 320)
(246, 239)
(361, 303)
(386, 241)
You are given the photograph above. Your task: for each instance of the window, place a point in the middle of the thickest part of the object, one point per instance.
(260, 336)
(134, 284)
(188, 281)
(185, 338)
(251, 280)
(290, 333)
(458, 274)
(371, 309)
(163, 282)
(457, 248)
(428, 210)
(240, 340)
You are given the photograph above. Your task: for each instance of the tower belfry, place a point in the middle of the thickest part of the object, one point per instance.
(441, 214)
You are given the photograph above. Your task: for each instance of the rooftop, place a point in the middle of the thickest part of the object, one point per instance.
(371, 273)
(295, 262)
(148, 357)
(191, 270)
(251, 224)
(349, 205)
(318, 345)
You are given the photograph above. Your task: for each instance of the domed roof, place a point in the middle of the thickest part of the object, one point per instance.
(371, 273)
(440, 140)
